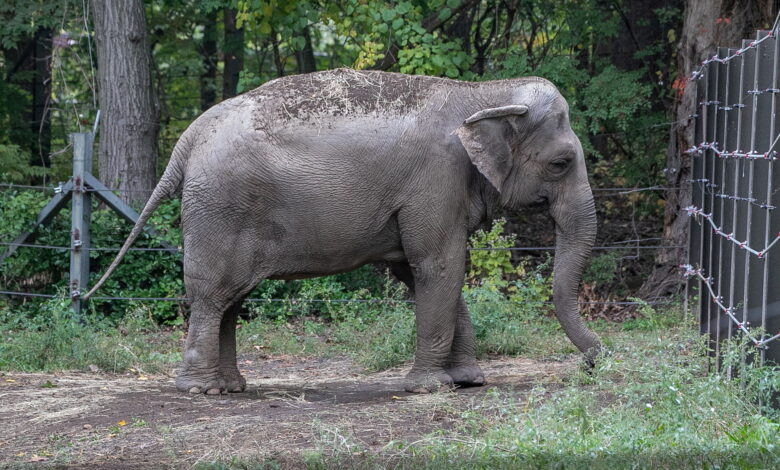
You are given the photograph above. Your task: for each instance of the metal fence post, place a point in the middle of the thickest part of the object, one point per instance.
(81, 211)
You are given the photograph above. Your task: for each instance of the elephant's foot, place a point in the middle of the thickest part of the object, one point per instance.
(466, 375)
(208, 384)
(427, 381)
(234, 381)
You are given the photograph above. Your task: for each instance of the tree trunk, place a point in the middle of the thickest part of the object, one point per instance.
(208, 55)
(41, 98)
(233, 54)
(29, 67)
(277, 57)
(305, 57)
(129, 120)
(708, 24)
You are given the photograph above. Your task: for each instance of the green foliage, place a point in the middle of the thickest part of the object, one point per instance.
(649, 319)
(57, 340)
(379, 341)
(614, 97)
(602, 269)
(329, 297)
(14, 135)
(490, 261)
(141, 274)
(508, 316)
(22, 18)
(508, 304)
(15, 165)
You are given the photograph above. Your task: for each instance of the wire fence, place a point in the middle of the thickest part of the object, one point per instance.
(632, 244)
(294, 301)
(732, 266)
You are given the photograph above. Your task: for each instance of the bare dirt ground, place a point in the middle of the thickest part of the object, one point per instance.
(292, 405)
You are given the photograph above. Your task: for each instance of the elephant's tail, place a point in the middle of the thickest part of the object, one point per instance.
(167, 187)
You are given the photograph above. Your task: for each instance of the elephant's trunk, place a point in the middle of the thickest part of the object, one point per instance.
(575, 224)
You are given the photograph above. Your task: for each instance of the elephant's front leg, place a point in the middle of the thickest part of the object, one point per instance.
(438, 281)
(462, 363)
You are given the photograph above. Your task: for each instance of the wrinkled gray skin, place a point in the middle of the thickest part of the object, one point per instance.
(319, 174)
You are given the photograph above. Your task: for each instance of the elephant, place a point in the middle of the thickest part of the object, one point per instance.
(321, 173)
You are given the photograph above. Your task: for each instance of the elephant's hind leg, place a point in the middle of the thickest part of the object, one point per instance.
(462, 363)
(218, 275)
(200, 368)
(228, 367)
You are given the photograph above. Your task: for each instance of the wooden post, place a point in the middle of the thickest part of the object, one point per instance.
(81, 210)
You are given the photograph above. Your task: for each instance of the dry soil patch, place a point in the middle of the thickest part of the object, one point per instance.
(292, 405)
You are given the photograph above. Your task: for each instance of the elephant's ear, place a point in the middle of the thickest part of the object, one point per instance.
(483, 137)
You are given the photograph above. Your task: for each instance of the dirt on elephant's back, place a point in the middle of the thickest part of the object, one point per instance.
(292, 406)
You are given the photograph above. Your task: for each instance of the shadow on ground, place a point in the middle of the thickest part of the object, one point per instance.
(292, 405)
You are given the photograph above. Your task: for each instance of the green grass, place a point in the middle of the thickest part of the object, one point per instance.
(56, 340)
(651, 404)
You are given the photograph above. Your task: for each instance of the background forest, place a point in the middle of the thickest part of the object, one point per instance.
(323, 357)
(616, 61)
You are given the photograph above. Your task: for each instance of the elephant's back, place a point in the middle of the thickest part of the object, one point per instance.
(342, 93)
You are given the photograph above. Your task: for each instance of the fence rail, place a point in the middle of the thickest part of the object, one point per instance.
(734, 262)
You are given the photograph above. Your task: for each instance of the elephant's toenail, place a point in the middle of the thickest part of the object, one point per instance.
(194, 390)
(213, 391)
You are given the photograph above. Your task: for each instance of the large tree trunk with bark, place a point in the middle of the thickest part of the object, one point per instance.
(208, 55)
(29, 65)
(129, 120)
(233, 54)
(305, 56)
(41, 98)
(708, 24)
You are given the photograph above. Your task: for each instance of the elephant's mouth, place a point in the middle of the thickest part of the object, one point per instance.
(540, 202)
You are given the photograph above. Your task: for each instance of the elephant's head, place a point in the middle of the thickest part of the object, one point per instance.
(529, 153)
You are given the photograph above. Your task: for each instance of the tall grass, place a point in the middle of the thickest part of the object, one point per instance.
(56, 340)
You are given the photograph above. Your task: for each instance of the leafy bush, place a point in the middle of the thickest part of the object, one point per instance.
(15, 166)
(56, 340)
(602, 269)
(141, 274)
(491, 260)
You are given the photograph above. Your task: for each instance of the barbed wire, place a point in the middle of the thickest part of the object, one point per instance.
(713, 146)
(698, 73)
(698, 273)
(695, 211)
(750, 200)
(334, 301)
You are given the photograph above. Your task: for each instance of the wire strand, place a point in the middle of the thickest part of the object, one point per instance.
(331, 301)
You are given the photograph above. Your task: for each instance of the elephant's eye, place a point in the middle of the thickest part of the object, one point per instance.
(559, 164)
